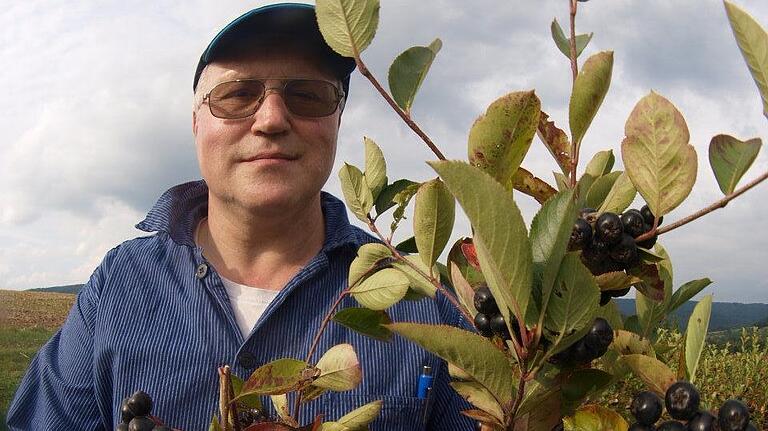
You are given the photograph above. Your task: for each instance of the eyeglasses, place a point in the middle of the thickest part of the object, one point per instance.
(303, 97)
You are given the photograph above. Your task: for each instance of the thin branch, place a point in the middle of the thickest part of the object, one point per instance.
(434, 281)
(415, 127)
(231, 396)
(575, 72)
(717, 205)
(223, 401)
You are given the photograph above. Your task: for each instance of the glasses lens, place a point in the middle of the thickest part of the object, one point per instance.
(236, 99)
(309, 98)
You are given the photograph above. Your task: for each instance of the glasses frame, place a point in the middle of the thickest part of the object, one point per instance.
(340, 95)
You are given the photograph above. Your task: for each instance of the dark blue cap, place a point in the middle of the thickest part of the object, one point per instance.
(288, 21)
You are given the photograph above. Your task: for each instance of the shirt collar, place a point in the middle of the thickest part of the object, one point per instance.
(181, 207)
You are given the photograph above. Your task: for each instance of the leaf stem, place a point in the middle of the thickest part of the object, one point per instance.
(407, 118)
(437, 284)
(575, 72)
(706, 210)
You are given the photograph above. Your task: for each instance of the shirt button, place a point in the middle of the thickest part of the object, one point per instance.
(247, 360)
(201, 271)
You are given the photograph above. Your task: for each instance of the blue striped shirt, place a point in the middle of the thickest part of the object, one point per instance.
(155, 316)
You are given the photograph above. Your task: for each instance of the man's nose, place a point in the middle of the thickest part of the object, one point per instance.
(272, 116)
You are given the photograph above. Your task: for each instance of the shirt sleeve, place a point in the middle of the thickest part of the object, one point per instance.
(57, 392)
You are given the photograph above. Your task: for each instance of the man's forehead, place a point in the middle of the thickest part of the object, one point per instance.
(274, 63)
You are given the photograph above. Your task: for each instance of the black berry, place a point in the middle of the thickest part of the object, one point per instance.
(600, 336)
(484, 301)
(581, 235)
(703, 421)
(122, 426)
(608, 228)
(648, 215)
(625, 251)
(245, 417)
(733, 416)
(671, 426)
(640, 427)
(125, 412)
(646, 408)
(633, 223)
(483, 325)
(499, 326)
(140, 404)
(141, 423)
(682, 400)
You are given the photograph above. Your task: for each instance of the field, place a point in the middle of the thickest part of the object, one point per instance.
(732, 368)
(28, 320)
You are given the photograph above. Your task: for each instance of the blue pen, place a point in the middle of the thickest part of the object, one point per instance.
(425, 382)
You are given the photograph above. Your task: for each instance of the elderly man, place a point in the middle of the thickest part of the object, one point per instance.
(239, 268)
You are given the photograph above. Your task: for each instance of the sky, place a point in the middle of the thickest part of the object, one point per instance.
(95, 115)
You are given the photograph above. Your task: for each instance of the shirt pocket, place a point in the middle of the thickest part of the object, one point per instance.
(397, 413)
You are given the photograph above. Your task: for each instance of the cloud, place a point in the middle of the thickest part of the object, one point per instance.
(96, 123)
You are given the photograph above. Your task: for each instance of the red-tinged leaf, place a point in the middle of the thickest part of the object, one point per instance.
(481, 416)
(652, 285)
(464, 291)
(279, 377)
(468, 249)
(269, 426)
(556, 142)
(524, 181)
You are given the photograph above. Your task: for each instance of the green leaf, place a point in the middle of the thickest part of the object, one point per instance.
(561, 181)
(361, 416)
(686, 292)
(595, 418)
(464, 291)
(601, 188)
(620, 196)
(474, 354)
(580, 384)
(657, 155)
(375, 168)
(501, 239)
(253, 401)
(730, 158)
(458, 257)
(408, 246)
(550, 231)
(215, 426)
(381, 290)
(574, 299)
(695, 336)
(365, 321)
(654, 373)
(402, 199)
(648, 256)
(556, 142)
(348, 26)
(408, 71)
(416, 282)
(499, 139)
(479, 397)
(339, 369)
(601, 164)
(385, 199)
(563, 43)
(589, 90)
(433, 218)
(280, 402)
(582, 187)
(369, 257)
(616, 280)
(357, 194)
(278, 377)
(753, 42)
(629, 343)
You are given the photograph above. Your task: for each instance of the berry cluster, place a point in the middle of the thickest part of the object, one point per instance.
(135, 413)
(489, 321)
(248, 417)
(682, 402)
(589, 347)
(610, 245)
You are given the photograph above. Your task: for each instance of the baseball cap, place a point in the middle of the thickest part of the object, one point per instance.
(288, 21)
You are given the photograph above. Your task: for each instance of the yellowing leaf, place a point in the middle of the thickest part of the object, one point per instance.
(433, 219)
(657, 156)
(730, 158)
(348, 26)
(753, 42)
(381, 290)
(654, 373)
(595, 418)
(339, 369)
(357, 194)
(375, 168)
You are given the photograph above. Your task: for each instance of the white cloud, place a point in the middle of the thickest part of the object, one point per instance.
(96, 116)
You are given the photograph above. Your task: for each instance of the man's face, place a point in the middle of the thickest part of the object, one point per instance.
(293, 155)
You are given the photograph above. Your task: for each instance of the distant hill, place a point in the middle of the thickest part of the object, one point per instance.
(70, 288)
(725, 315)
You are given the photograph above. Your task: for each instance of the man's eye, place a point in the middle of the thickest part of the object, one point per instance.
(305, 95)
(240, 94)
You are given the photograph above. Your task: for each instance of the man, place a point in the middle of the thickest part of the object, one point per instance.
(240, 268)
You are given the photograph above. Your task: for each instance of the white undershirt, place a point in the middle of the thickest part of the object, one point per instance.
(248, 303)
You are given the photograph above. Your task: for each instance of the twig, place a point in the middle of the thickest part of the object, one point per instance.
(223, 401)
(434, 281)
(231, 396)
(575, 72)
(717, 205)
(415, 127)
